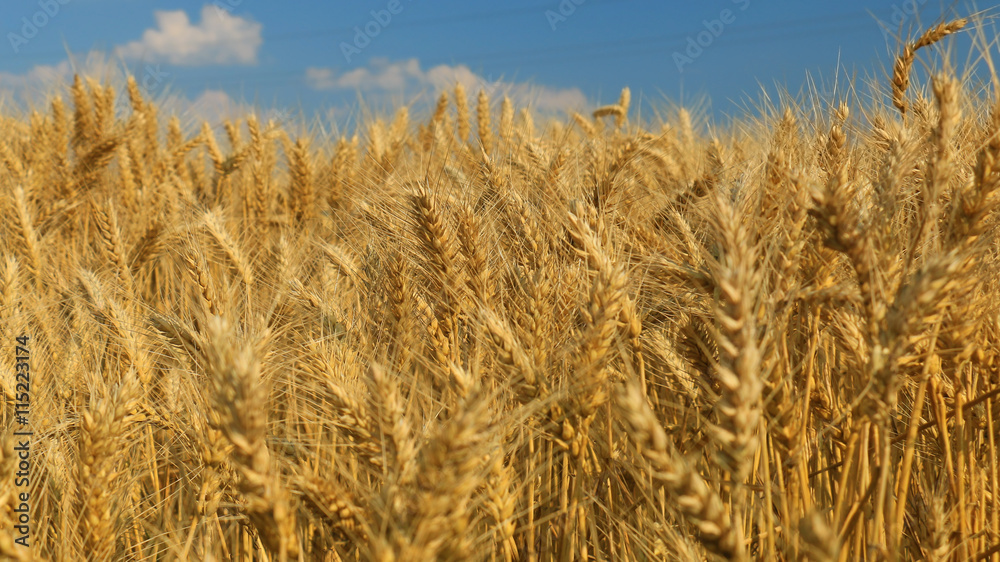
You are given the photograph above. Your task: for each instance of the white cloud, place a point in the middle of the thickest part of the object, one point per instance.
(35, 87)
(43, 80)
(215, 105)
(320, 79)
(220, 38)
(383, 76)
(37, 75)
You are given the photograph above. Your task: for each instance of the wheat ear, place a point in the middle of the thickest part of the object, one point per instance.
(102, 428)
(691, 494)
(904, 62)
(241, 399)
(483, 124)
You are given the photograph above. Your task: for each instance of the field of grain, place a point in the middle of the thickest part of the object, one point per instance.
(484, 337)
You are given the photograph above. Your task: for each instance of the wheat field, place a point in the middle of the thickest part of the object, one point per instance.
(478, 337)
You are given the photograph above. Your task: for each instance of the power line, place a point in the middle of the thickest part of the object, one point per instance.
(339, 30)
(461, 18)
(581, 51)
(589, 50)
(651, 39)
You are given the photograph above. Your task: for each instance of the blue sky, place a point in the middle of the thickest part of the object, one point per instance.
(320, 58)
